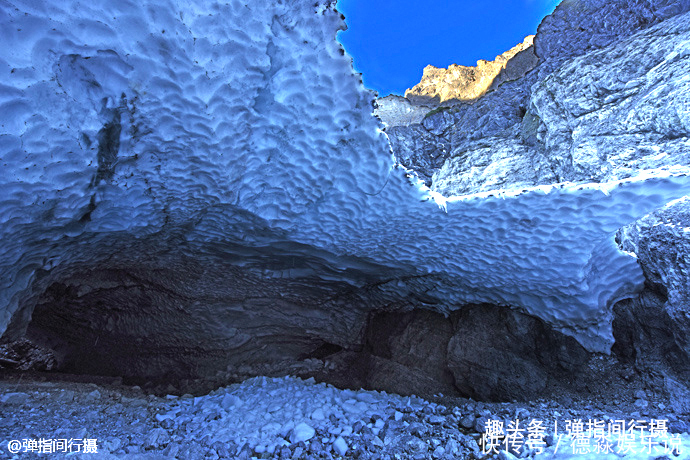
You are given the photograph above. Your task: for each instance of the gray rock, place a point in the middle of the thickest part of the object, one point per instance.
(653, 330)
(413, 444)
(678, 427)
(16, 398)
(501, 354)
(641, 403)
(577, 27)
(113, 444)
(417, 429)
(224, 450)
(65, 395)
(480, 424)
(409, 353)
(246, 453)
(467, 421)
(156, 439)
(315, 446)
(679, 395)
(167, 423)
(340, 446)
(437, 420)
(438, 452)
(490, 163)
(419, 150)
(550, 440)
(398, 111)
(452, 447)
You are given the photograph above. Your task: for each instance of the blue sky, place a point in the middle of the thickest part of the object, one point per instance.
(392, 41)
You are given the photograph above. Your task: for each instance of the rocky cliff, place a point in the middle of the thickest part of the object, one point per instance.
(606, 100)
(461, 83)
(200, 190)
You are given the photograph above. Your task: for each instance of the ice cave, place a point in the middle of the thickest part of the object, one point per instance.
(217, 243)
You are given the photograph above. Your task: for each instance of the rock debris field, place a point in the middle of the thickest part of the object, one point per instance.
(291, 418)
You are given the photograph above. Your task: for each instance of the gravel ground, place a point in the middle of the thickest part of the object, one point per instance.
(298, 419)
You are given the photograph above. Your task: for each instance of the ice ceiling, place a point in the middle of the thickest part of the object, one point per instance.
(243, 122)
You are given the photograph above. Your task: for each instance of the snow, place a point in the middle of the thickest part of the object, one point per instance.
(252, 107)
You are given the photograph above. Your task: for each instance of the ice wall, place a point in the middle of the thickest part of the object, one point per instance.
(127, 119)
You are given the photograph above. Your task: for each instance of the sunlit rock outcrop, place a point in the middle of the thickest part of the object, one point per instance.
(200, 188)
(461, 83)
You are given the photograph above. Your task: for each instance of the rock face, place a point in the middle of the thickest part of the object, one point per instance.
(483, 351)
(605, 102)
(200, 190)
(461, 84)
(497, 353)
(608, 115)
(407, 353)
(416, 147)
(653, 330)
(579, 26)
(398, 111)
(173, 316)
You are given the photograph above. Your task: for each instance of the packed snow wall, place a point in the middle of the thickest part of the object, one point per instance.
(204, 184)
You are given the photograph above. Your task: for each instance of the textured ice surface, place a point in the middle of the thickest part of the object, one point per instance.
(131, 118)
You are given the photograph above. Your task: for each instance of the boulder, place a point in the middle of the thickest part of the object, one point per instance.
(501, 354)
